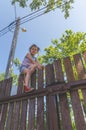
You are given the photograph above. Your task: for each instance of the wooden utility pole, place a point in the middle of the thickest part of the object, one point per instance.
(12, 50)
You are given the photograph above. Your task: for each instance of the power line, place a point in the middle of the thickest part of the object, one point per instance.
(7, 29)
(27, 18)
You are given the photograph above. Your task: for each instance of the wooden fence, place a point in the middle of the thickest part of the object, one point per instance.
(57, 103)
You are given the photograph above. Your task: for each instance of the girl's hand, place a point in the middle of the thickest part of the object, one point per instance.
(40, 67)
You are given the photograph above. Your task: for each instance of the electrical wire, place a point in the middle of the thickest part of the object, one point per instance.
(27, 18)
(7, 29)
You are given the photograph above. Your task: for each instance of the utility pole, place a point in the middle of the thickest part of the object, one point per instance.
(12, 50)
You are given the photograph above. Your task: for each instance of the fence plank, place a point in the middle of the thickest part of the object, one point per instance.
(81, 72)
(1, 96)
(23, 115)
(40, 103)
(7, 84)
(20, 88)
(1, 89)
(79, 66)
(84, 91)
(17, 105)
(76, 104)
(84, 56)
(31, 113)
(24, 103)
(50, 77)
(10, 116)
(58, 71)
(64, 108)
(53, 123)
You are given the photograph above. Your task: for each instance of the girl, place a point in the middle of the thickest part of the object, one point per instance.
(29, 65)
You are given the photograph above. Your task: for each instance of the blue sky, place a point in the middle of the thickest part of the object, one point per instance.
(40, 30)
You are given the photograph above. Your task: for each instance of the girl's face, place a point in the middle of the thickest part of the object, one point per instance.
(34, 50)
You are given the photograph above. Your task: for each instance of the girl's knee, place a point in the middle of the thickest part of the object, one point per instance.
(32, 70)
(34, 66)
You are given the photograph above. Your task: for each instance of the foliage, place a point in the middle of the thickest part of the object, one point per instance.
(22, 3)
(12, 74)
(2, 76)
(69, 44)
(15, 78)
(64, 5)
(17, 63)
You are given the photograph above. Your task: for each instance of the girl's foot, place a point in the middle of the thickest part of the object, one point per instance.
(28, 89)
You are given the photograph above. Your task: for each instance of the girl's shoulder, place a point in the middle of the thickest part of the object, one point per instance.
(28, 54)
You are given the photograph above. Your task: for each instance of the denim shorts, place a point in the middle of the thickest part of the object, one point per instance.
(22, 67)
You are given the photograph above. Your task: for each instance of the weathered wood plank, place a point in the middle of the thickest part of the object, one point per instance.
(50, 77)
(24, 103)
(79, 66)
(7, 86)
(23, 115)
(40, 103)
(81, 73)
(84, 56)
(16, 115)
(52, 120)
(84, 91)
(63, 101)
(58, 71)
(31, 113)
(76, 104)
(17, 105)
(1, 96)
(20, 88)
(10, 116)
(1, 89)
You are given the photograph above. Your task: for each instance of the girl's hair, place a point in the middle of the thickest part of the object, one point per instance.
(34, 45)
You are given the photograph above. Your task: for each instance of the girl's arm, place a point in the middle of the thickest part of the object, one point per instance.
(39, 65)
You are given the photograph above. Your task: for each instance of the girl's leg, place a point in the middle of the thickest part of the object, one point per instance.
(26, 81)
(27, 77)
(32, 68)
(28, 72)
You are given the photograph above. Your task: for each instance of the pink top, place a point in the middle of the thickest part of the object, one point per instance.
(26, 62)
